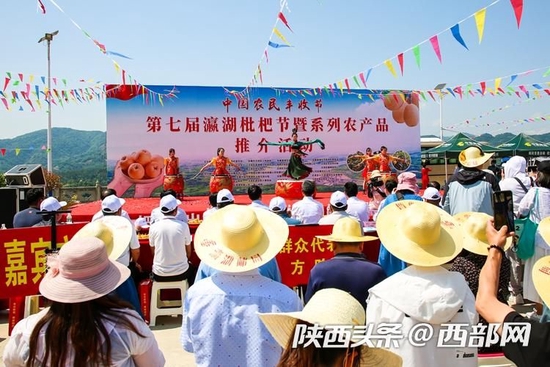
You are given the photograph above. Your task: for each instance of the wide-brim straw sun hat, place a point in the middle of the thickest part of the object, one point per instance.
(115, 231)
(544, 230)
(239, 238)
(81, 272)
(419, 233)
(473, 157)
(347, 230)
(474, 228)
(329, 306)
(541, 278)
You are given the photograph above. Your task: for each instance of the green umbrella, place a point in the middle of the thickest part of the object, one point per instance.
(452, 147)
(525, 146)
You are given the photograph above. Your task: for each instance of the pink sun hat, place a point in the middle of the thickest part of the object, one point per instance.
(81, 272)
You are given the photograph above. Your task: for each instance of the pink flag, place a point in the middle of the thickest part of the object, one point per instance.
(347, 84)
(435, 45)
(283, 19)
(20, 76)
(266, 57)
(482, 84)
(5, 101)
(3, 151)
(362, 76)
(6, 82)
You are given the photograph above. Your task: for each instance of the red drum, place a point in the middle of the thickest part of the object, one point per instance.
(219, 182)
(175, 183)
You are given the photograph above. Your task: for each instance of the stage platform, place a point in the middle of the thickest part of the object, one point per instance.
(194, 206)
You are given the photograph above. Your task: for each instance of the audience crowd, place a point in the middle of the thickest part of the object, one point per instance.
(443, 266)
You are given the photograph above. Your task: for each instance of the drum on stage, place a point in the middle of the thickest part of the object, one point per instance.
(175, 183)
(219, 182)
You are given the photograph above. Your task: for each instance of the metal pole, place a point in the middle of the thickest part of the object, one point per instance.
(49, 133)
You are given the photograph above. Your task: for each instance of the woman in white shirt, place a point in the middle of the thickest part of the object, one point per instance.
(84, 326)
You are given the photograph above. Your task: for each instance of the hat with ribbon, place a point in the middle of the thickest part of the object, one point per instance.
(81, 272)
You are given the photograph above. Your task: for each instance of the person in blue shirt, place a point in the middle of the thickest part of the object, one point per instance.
(28, 217)
(269, 270)
(406, 189)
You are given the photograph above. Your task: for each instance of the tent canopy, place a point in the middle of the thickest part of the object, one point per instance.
(455, 145)
(525, 145)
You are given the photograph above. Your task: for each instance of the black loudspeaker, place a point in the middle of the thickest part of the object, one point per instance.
(9, 197)
(25, 175)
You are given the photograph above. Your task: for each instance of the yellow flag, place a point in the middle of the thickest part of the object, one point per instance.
(280, 35)
(402, 95)
(31, 78)
(160, 101)
(341, 87)
(17, 150)
(389, 65)
(117, 66)
(480, 22)
(497, 83)
(536, 93)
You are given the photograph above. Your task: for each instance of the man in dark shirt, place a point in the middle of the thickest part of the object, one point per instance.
(537, 351)
(348, 270)
(28, 217)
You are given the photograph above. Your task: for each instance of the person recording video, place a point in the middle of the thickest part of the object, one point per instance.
(375, 190)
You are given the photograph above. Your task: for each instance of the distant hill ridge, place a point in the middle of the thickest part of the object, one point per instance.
(79, 156)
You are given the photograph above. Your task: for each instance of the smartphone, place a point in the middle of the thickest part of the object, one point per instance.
(503, 207)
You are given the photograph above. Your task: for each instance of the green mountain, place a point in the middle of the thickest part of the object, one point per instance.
(79, 157)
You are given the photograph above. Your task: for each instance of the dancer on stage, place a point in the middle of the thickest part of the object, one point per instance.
(384, 160)
(296, 168)
(172, 178)
(371, 164)
(221, 178)
(172, 163)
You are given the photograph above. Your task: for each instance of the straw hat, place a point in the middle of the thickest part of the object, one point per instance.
(419, 233)
(544, 230)
(81, 272)
(375, 173)
(114, 231)
(239, 238)
(541, 278)
(328, 306)
(473, 157)
(347, 230)
(474, 226)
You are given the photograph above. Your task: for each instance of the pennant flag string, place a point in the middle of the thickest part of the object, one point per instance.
(434, 41)
(101, 47)
(257, 74)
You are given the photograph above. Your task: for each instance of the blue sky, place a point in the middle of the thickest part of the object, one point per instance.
(219, 43)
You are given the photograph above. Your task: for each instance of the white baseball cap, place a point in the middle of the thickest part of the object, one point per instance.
(338, 199)
(168, 203)
(277, 204)
(224, 196)
(51, 204)
(112, 204)
(431, 193)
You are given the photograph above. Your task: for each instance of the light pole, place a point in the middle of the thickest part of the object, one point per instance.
(439, 88)
(48, 37)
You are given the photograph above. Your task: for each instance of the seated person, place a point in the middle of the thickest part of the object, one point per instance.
(28, 217)
(157, 215)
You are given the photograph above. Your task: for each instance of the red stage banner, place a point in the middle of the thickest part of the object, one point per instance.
(303, 250)
(22, 257)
